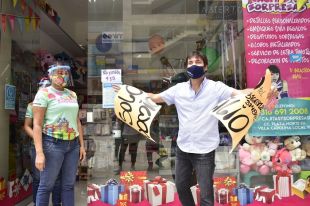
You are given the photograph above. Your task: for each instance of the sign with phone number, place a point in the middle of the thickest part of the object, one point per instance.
(290, 117)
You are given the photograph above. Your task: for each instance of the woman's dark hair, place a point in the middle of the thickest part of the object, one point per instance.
(196, 54)
(275, 70)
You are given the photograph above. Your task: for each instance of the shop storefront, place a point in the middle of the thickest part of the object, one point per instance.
(144, 43)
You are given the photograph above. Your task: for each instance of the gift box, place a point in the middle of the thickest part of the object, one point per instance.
(233, 201)
(26, 180)
(122, 199)
(299, 188)
(136, 193)
(132, 178)
(225, 182)
(110, 191)
(304, 174)
(267, 195)
(2, 188)
(93, 193)
(14, 187)
(245, 195)
(283, 184)
(256, 191)
(221, 196)
(196, 194)
(159, 191)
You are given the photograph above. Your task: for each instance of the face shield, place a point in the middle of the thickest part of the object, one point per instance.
(44, 82)
(60, 75)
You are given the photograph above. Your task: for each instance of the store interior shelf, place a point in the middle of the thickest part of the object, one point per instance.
(59, 35)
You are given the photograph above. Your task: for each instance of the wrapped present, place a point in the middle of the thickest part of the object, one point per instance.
(122, 199)
(245, 195)
(196, 194)
(93, 193)
(299, 188)
(257, 189)
(283, 184)
(2, 188)
(159, 191)
(132, 178)
(222, 196)
(14, 188)
(233, 201)
(267, 195)
(26, 180)
(304, 174)
(225, 182)
(110, 191)
(136, 193)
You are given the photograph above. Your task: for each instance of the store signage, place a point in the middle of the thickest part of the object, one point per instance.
(278, 33)
(238, 113)
(290, 117)
(111, 75)
(135, 108)
(10, 97)
(108, 78)
(227, 10)
(112, 36)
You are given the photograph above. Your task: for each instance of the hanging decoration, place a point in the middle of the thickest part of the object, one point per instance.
(23, 5)
(14, 3)
(3, 22)
(12, 22)
(27, 23)
(20, 21)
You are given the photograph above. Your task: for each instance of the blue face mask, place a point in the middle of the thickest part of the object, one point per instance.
(195, 71)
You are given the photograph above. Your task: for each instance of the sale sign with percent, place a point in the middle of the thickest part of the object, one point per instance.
(108, 78)
(135, 108)
(238, 113)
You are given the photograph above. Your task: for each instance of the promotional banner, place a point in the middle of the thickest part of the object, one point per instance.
(290, 117)
(135, 108)
(278, 33)
(108, 78)
(238, 113)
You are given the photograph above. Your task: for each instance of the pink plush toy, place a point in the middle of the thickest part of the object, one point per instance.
(282, 160)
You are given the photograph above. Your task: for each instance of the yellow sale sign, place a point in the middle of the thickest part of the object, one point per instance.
(135, 108)
(238, 113)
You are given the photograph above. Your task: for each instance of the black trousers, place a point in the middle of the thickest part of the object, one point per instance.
(204, 165)
(133, 148)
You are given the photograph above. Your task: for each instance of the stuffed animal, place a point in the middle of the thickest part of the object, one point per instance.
(250, 153)
(282, 160)
(306, 145)
(264, 164)
(292, 144)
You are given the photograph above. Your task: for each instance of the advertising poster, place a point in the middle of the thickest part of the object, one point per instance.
(278, 33)
(134, 107)
(108, 78)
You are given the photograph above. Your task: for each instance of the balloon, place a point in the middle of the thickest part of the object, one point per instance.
(103, 46)
(156, 44)
(213, 58)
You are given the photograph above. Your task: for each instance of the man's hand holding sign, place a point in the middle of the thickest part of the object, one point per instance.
(135, 108)
(238, 113)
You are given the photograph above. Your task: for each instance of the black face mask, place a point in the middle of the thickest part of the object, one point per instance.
(195, 71)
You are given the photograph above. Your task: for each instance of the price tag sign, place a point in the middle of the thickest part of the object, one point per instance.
(112, 76)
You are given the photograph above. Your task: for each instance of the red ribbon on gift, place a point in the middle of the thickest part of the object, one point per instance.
(136, 193)
(268, 195)
(93, 191)
(158, 181)
(287, 174)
